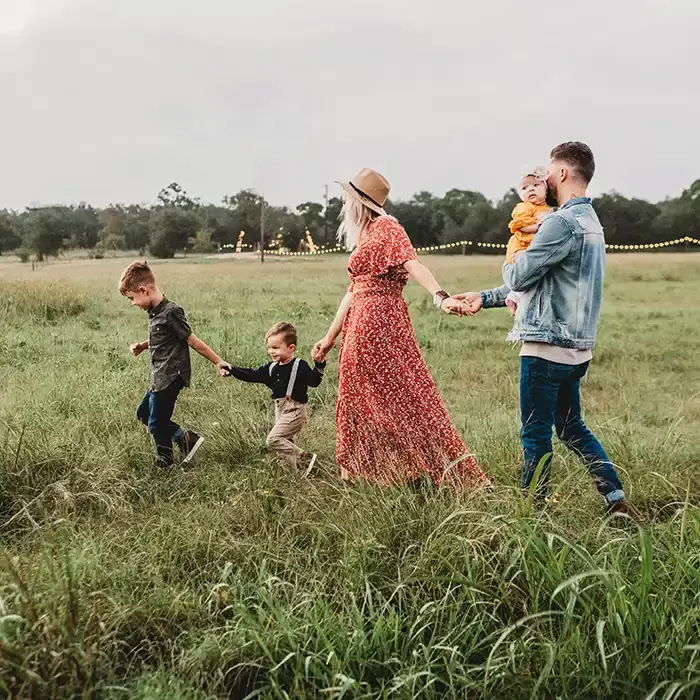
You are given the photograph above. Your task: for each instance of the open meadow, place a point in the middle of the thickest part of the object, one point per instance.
(234, 578)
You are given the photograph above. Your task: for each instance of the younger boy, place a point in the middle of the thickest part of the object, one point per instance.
(289, 379)
(526, 219)
(169, 341)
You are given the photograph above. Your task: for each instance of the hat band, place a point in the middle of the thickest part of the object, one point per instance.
(366, 196)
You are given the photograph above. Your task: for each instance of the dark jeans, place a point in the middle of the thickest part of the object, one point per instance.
(156, 411)
(550, 396)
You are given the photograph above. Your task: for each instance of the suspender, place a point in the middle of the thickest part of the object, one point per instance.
(292, 376)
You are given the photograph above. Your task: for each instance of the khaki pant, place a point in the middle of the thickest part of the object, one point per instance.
(290, 418)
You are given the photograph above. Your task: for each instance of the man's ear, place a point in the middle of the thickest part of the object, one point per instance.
(563, 173)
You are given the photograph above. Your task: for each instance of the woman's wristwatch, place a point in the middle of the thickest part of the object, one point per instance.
(439, 297)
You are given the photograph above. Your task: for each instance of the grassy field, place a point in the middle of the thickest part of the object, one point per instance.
(235, 578)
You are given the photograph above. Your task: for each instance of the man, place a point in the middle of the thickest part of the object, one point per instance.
(561, 278)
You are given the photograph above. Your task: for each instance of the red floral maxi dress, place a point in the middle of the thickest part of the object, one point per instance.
(392, 425)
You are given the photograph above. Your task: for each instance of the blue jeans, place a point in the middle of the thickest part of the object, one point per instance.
(550, 396)
(156, 412)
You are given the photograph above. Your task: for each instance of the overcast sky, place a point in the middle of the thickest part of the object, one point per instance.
(110, 100)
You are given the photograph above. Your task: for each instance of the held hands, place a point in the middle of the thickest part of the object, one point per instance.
(321, 349)
(224, 368)
(451, 305)
(473, 299)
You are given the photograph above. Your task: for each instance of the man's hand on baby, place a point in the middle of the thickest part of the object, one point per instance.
(512, 307)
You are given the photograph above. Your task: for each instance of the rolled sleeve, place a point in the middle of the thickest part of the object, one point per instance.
(494, 298)
(178, 322)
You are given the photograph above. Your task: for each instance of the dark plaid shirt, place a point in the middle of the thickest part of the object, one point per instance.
(168, 331)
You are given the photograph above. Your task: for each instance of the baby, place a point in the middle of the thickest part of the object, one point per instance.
(525, 220)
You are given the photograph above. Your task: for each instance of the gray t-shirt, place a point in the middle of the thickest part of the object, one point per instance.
(554, 353)
(168, 331)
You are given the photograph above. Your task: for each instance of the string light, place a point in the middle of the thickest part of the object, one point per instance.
(652, 246)
(478, 244)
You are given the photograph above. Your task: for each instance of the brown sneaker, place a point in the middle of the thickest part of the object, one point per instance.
(189, 442)
(306, 463)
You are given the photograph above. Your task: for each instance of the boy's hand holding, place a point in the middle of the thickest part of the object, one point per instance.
(137, 348)
(321, 349)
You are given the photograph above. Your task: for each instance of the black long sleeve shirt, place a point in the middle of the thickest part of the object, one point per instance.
(278, 378)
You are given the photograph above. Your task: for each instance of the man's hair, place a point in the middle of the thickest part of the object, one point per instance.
(138, 274)
(286, 330)
(579, 156)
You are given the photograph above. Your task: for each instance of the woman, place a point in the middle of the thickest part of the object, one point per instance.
(392, 426)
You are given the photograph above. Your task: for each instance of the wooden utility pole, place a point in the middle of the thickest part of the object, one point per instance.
(325, 218)
(262, 230)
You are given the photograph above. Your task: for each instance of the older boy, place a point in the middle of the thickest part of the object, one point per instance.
(169, 341)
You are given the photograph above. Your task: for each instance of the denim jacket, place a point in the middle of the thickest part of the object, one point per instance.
(561, 277)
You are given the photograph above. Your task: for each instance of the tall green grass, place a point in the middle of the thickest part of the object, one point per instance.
(236, 578)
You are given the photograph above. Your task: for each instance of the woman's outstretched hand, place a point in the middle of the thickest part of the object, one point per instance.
(321, 349)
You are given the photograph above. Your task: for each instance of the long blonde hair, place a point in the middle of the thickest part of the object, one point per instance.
(354, 218)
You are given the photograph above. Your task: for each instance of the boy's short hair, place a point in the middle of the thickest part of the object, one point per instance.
(136, 275)
(578, 155)
(286, 330)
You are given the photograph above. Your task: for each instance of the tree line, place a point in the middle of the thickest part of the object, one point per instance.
(178, 222)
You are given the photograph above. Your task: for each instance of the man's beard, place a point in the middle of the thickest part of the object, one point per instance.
(551, 198)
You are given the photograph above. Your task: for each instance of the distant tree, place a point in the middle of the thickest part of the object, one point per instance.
(138, 227)
(113, 232)
(626, 220)
(311, 219)
(467, 215)
(221, 223)
(10, 238)
(292, 227)
(46, 230)
(421, 217)
(175, 196)
(84, 226)
(245, 209)
(332, 220)
(497, 231)
(679, 217)
(171, 229)
(202, 242)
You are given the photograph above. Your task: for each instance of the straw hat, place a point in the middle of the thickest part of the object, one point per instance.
(370, 188)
